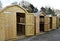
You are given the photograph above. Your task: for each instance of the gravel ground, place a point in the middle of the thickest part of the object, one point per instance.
(49, 36)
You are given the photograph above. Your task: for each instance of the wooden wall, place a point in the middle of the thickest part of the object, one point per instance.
(2, 32)
(8, 27)
(57, 22)
(54, 22)
(46, 23)
(10, 21)
(37, 25)
(29, 28)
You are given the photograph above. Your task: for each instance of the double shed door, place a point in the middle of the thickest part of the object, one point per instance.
(29, 28)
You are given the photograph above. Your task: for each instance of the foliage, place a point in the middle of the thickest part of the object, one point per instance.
(0, 5)
(43, 9)
(48, 11)
(28, 6)
(14, 2)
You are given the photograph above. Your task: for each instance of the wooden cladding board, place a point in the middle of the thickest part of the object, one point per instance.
(10, 26)
(29, 28)
(46, 23)
(2, 35)
(57, 22)
(34, 25)
(54, 22)
(37, 25)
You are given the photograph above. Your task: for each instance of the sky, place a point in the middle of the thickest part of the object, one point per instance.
(55, 4)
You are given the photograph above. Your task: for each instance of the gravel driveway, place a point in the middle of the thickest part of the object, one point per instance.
(49, 36)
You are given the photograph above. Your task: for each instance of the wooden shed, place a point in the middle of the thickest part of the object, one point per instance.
(50, 23)
(46, 23)
(37, 24)
(17, 22)
(54, 22)
(42, 23)
(2, 32)
(57, 21)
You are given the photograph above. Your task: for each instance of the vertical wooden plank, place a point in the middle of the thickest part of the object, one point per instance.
(54, 22)
(29, 28)
(2, 34)
(37, 25)
(57, 22)
(10, 26)
(6, 26)
(46, 23)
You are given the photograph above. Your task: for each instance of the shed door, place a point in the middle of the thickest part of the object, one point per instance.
(57, 22)
(46, 23)
(53, 22)
(29, 28)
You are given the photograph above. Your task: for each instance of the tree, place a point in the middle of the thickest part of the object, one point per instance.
(29, 9)
(48, 11)
(43, 9)
(24, 3)
(14, 2)
(53, 13)
(0, 5)
(28, 6)
(35, 10)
